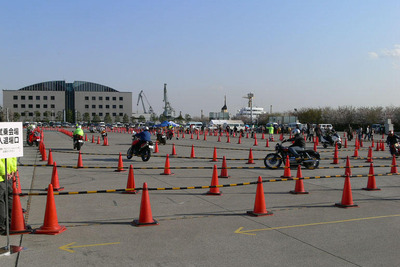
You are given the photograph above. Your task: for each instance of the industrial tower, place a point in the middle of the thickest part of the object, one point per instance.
(169, 112)
(250, 97)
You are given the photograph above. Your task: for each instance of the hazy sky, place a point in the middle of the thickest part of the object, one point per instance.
(290, 54)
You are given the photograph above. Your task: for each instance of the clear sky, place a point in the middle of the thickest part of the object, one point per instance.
(290, 54)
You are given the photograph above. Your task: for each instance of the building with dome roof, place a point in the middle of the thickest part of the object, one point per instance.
(56, 100)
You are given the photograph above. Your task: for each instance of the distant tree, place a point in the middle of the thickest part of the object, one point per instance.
(59, 116)
(117, 119)
(96, 118)
(78, 116)
(133, 119)
(107, 118)
(125, 119)
(46, 116)
(86, 116)
(153, 117)
(187, 118)
(1, 114)
(16, 116)
(141, 118)
(37, 115)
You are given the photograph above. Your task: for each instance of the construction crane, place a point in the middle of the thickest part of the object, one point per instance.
(140, 98)
(168, 110)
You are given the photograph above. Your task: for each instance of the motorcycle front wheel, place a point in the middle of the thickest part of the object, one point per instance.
(273, 161)
(129, 153)
(146, 154)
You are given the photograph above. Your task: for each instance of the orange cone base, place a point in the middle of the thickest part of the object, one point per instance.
(130, 191)
(28, 230)
(299, 192)
(50, 230)
(283, 176)
(224, 176)
(138, 224)
(340, 205)
(209, 193)
(250, 162)
(120, 170)
(371, 189)
(167, 173)
(252, 213)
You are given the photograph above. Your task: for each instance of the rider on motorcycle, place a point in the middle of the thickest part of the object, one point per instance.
(103, 133)
(78, 132)
(143, 137)
(298, 145)
(30, 128)
(392, 140)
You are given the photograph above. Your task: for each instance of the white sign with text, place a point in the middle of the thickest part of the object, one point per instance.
(11, 140)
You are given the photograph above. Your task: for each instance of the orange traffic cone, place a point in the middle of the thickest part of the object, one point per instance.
(299, 188)
(336, 156)
(145, 217)
(259, 203)
(92, 138)
(382, 146)
(255, 141)
(347, 196)
(131, 182)
(50, 225)
(167, 169)
(267, 143)
(355, 152)
(315, 146)
(378, 145)
(192, 155)
(86, 139)
(371, 185)
(286, 173)
(17, 217)
(240, 139)
(205, 136)
(50, 159)
(173, 150)
(369, 157)
(345, 143)
(224, 169)
(98, 140)
(214, 182)
(347, 171)
(105, 141)
(393, 168)
(156, 148)
(80, 163)
(120, 164)
(262, 136)
(251, 160)
(44, 155)
(54, 179)
(215, 155)
(219, 138)
(228, 139)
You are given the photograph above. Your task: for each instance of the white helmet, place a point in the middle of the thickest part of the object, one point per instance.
(33, 126)
(146, 128)
(296, 131)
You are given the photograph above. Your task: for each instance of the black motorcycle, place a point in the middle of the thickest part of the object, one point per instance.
(308, 158)
(78, 142)
(143, 151)
(161, 138)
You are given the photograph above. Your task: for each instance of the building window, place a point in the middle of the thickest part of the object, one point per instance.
(45, 106)
(86, 106)
(45, 97)
(100, 98)
(53, 106)
(38, 97)
(30, 114)
(86, 98)
(121, 114)
(114, 114)
(121, 98)
(52, 97)
(107, 106)
(37, 105)
(93, 98)
(107, 98)
(121, 106)
(15, 97)
(100, 106)
(93, 106)
(15, 105)
(22, 105)
(101, 114)
(22, 97)
(93, 114)
(23, 114)
(30, 106)
(30, 97)
(114, 98)
(114, 106)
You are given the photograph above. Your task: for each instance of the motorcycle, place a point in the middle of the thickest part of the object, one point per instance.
(33, 138)
(335, 139)
(161, 138)
(170, 134)
(78, 142)
(308, 158)
(103, 134)
(395, 149)
(144, 151)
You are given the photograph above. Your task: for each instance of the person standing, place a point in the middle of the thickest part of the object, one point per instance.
(6, 192)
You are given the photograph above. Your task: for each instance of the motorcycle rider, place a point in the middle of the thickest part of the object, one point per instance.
(298, 145)
(77, 133)
(143, 137)
(392, 140)
(103, 133)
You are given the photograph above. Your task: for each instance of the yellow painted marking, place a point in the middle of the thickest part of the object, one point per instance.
(69, 246)
(250, 232)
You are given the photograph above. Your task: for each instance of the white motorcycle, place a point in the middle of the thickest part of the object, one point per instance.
(331, 140)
